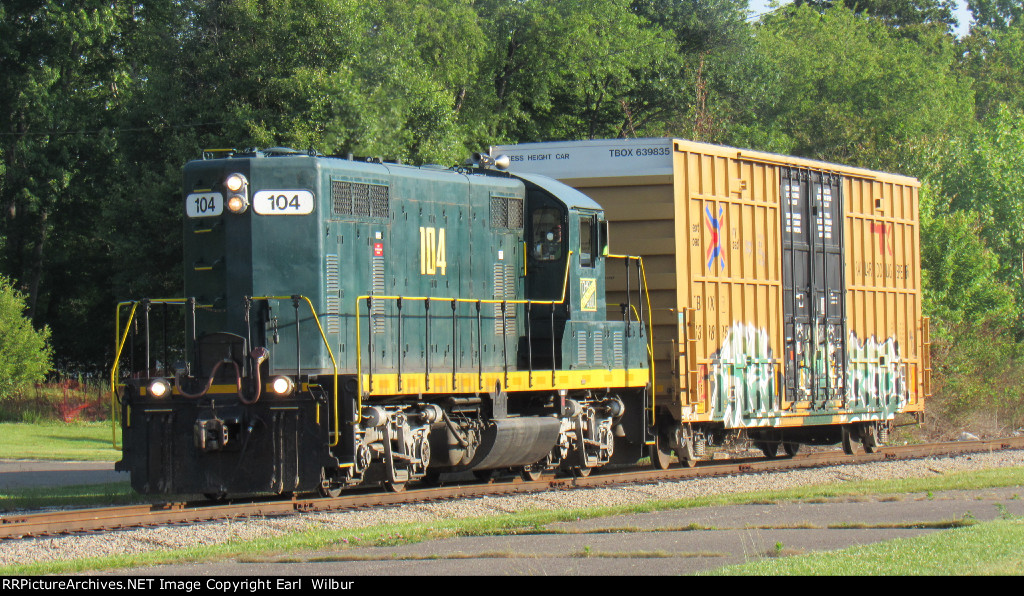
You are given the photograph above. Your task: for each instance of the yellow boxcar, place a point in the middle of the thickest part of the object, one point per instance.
(785, 292)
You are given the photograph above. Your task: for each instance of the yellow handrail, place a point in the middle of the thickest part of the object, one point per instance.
(330, 352)
(649, 323)
(135, 303)
(119, 344)
(119, 347)
(359, 329)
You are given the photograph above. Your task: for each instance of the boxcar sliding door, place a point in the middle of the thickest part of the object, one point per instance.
(813, 288)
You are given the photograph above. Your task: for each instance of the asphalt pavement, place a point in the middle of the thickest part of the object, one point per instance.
(25, 474)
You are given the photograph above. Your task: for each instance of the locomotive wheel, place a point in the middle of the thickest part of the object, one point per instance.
(327, 488)
(869, 438)
(332, 491)
(576, 471)
(687, 450)
(395, 487)
(770, 449)
(661, 455)
(791, 448)
(847, 440)
(532, 473)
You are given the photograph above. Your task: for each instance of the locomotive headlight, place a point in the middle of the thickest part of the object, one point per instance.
(159, 388)
(237, 204)
(282, 386)
(235, 182)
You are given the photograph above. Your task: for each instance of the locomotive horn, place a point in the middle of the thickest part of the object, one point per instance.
(502, 162)
(483, 160)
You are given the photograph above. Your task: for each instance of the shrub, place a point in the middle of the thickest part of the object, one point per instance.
(25, 355)
(977, 379)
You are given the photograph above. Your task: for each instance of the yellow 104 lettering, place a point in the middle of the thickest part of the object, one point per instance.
(432, 251)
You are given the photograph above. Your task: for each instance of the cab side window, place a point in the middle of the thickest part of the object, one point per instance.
(587, 241)
(547, 235)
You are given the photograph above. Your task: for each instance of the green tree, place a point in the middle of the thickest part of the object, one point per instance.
(59, 93)
(981, 177)
(698, 26)
(845, 88)
(975, 356)
(24, 352)
(994, 60)
(960, 275)
(700, 73)
(561, 69)
(998, 14)
(379, 78)
(900, 14)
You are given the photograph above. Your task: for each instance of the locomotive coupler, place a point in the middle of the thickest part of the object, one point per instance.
(210, 434)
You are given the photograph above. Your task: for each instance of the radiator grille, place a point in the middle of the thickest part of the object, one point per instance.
(360, 199)
(506, 212)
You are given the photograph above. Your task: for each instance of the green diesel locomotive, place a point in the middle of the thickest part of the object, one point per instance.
(357, 322)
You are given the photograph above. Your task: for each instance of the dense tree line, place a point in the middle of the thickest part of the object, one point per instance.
(102, 102)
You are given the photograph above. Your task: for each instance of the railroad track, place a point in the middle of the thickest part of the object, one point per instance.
(28, 525)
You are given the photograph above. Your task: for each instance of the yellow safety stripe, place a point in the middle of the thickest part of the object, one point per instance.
(519, 380)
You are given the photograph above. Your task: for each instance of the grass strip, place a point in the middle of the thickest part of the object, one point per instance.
(59, 441)
(990, 548)
(78, 495)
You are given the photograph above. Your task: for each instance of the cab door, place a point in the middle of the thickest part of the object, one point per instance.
(547, 250)
(587, 267)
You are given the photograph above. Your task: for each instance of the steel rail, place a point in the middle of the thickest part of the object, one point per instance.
(26, 525)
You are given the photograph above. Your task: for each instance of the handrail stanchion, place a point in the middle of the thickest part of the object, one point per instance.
(400, 348)
(479, 348)
(426, 374)
(146, 306)
(369, 344)
(298, 339)
(529, 343)
(455, 357)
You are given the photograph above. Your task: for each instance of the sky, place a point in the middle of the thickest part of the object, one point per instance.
(962, 15)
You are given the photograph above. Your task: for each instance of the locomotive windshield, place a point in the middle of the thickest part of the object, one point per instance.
(547, 234)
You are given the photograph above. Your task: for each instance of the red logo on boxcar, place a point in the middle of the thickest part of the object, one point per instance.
(714, 225)
(884, 232)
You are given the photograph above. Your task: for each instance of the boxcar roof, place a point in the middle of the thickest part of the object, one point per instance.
(613, 158)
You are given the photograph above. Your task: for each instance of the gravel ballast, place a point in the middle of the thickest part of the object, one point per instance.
(142, 540)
